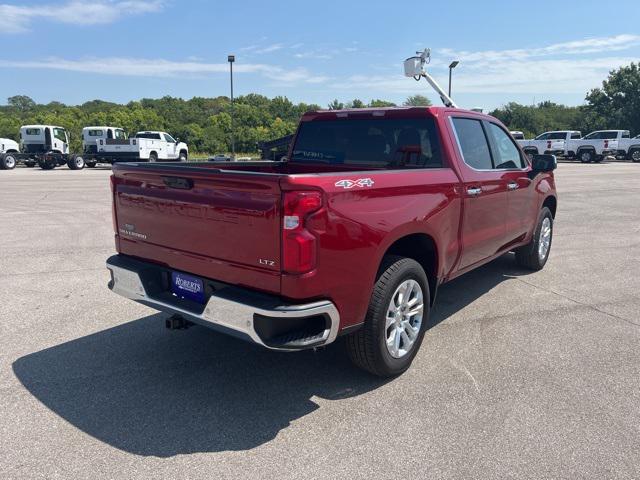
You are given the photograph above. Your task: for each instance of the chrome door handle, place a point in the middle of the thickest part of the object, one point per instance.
(474, 191)
(512, 186)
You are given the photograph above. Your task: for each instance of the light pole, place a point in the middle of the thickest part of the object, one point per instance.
(453, 65)
(231, 59)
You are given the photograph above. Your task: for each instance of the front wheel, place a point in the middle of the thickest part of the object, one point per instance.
(182, 157)
(586, 156)
(535, 254)
(8, 162)
(634, 155)
(396, 319)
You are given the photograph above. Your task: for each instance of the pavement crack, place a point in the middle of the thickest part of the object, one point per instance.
(578, 302)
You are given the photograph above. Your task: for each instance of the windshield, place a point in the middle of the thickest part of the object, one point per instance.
(602, 136)
(382, 143)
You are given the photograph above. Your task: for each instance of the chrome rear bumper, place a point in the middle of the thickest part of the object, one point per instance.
(260, 318)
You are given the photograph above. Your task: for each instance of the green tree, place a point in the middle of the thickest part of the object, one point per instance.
(616, 104)
(381, 103)
(22, 103)
(336, 105)
(417, 101)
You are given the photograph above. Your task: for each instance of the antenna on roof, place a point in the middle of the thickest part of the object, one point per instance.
(415, 67)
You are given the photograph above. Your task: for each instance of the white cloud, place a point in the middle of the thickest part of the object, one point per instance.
(561, 68)
(18, 18)
(139, 67)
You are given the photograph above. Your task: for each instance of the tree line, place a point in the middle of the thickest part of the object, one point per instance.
(206, 123)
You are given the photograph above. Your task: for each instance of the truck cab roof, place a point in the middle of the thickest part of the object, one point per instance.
(389, 112)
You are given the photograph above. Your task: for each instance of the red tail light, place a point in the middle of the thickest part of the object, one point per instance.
(298, 244)
(112, 184)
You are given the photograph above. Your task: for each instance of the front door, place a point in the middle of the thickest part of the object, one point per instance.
(514, 172)
(484, 192)
(171, 146)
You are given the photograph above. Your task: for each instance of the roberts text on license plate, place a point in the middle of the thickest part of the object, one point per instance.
(186, 286)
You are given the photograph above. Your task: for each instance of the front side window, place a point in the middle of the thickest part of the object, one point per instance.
(625, 134)
(543, 136)
(60, 134)
(557, 136)
(506, 154)
(169, 138)
(473, 143)
(119, 134)
(369, 143)
(575, 135)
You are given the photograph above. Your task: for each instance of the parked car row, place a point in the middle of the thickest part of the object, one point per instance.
(48, 147)
(593, 147)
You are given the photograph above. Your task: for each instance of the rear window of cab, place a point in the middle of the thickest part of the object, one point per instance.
(32, 131)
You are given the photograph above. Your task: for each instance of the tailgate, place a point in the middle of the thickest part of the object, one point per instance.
(221, 225)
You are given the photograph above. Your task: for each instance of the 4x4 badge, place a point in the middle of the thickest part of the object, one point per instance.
(362, 182)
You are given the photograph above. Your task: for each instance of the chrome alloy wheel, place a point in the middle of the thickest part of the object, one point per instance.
(404, 318)
(635, 156)
(545, 239)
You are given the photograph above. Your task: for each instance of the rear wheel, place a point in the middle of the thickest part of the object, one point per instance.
(586, 156)
(634, 155)
(534, 255)
(8, 162)
(76, 162)
(153, 157)
(396, 319)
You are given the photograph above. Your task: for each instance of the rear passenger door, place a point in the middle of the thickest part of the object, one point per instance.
(484, 193)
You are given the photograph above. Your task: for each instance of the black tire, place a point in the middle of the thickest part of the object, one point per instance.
(182, 157)
(90, 164)
(586, 156)
(634, 155)
(528, 256)
(153, 157)
(367, 347)
(44, 165)
(75, 162)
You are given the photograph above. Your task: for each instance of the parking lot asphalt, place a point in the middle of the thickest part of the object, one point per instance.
(525, 375)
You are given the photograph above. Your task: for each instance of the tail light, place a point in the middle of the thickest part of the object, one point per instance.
(112, 184)
(298, 243)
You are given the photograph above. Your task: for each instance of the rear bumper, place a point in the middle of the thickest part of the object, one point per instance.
(254, 316)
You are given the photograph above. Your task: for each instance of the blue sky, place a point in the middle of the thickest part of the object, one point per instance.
(121, 50)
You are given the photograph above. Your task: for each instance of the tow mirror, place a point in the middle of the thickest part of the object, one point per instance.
(543, 163)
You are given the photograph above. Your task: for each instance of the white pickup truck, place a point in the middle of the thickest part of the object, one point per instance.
(144, 146)
(595, 146)
(626, 147)
(549, 142)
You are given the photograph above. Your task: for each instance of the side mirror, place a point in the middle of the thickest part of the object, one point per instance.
(543, 163)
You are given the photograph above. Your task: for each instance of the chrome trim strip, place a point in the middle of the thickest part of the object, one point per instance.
(227, 312)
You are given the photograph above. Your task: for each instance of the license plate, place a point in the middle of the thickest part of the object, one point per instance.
(187, 286)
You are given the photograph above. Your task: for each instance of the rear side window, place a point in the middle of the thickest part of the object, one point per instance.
(557, 136)
(152, 136)
(369, 142)
(473, 143)
(32, 131)
(506, 154)
(95, 133)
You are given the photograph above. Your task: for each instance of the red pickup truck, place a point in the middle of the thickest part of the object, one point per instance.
(351, 234)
